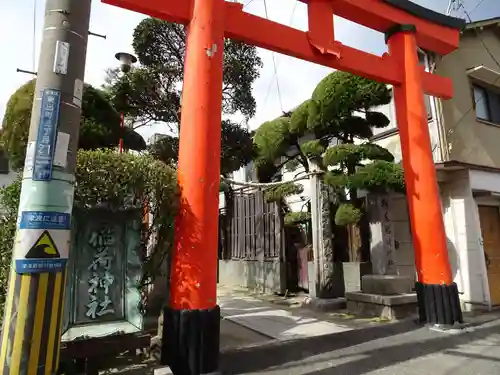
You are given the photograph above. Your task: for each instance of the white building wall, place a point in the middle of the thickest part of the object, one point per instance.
(463, 233)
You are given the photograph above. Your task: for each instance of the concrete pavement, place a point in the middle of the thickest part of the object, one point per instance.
(280, 321)
(397, 349)
(258, 337)
(276, 323)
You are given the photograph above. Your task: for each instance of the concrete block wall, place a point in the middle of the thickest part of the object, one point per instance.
(265, 277)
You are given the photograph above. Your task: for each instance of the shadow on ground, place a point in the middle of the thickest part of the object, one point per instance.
(378, 348)
(282, 322)
(277, 353)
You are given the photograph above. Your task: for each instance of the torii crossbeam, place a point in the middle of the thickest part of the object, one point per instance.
(191, 322)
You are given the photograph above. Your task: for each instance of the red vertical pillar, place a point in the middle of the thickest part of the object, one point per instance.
(122, 131)
(437, 293)
(191, 322)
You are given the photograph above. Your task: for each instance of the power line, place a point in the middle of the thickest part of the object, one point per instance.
(248, 3)
(478, 100)
(276, 66)
(479, 35)
(274, 63)
(477, 6)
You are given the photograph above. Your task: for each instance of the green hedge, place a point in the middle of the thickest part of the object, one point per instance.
(109, 180)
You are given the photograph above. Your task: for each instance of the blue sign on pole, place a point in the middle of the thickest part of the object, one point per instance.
(47, 135)
(45, 220)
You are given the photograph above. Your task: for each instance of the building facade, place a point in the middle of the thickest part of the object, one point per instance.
(465, 134)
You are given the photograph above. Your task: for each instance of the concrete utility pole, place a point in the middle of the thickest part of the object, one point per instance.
(35, 297)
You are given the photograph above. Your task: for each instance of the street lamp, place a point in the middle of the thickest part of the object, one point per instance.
(126, 60)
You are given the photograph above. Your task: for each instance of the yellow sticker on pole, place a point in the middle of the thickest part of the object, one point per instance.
(43, 248)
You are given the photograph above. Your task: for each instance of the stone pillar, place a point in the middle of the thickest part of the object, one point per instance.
(327, 281)
(383, 244)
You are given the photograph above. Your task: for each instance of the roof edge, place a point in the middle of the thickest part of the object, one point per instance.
(428, 14)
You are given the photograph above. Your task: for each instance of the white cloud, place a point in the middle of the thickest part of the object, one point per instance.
(296, 78)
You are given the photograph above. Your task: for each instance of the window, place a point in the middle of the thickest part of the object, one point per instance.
(487, 104)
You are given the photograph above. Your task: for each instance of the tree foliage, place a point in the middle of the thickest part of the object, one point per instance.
(333, 128)
(112, 181)
(151, 93)
(99, 128)
(236, 148)
(9, 203)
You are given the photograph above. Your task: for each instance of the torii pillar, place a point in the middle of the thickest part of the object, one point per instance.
(192, 321)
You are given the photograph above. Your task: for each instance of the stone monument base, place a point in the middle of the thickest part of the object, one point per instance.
(389, 297)
(384, 307)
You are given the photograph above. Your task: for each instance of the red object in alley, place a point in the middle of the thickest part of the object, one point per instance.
(122, 129)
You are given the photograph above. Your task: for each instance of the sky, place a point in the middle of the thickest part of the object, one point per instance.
(21, 23)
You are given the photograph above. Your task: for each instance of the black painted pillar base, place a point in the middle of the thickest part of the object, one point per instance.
(438, 304)
(190, 341)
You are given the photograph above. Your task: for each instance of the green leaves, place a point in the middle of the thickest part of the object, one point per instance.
(152, 91)
(298, 120)
(147, 94)
(352, 154)
(313, 149)
(279, 192)
(338, 97)
(166, 149)
(272, 139)
(341, 93)
(16, 123)
(347, 214)
(379, 176)
(109, 180)
(237, 148)
(99, 128)
(341, 154)
(121, 181)
(292, 218)
(341, 112)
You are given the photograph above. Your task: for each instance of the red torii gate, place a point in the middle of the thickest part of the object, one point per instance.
(191, 322)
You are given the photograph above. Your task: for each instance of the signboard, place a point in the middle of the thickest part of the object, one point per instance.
(47, 134)
(42, 242)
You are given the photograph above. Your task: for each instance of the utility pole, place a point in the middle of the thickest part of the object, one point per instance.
(31, 331)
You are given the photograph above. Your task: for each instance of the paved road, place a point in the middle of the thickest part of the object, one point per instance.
(233, 335)
(402, 349)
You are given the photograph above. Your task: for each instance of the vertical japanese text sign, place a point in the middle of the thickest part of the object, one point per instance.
(47, 134)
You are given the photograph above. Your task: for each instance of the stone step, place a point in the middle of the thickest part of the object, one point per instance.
(387, 284)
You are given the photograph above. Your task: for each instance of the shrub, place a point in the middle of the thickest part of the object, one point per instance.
(106, 179)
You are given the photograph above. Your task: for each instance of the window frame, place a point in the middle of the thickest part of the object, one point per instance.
(488, 92)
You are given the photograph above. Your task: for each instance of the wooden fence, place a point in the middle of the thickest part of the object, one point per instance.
(251, 228)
